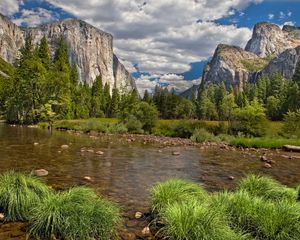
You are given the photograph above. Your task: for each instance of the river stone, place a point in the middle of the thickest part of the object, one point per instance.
(138, 215)
(65, 146)
(36, 143)
(40, 172)
(175, 153)
(146, 232)
(2, 217)
(99, 152)
(87, 178)
(267, 165)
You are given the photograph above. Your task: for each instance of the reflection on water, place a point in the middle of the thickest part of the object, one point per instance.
(126, 171)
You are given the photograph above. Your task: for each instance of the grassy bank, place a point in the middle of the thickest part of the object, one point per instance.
(77, 213)
(259, 208)
(198, 131)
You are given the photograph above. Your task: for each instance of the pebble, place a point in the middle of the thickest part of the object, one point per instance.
(146, 232)
(2, 217)
(36, 143)
(87, 178)
(267, 165)
(64, 146)
(99, 152)
(40, 172)
(175, 153)
(138, 215)
(231, 177)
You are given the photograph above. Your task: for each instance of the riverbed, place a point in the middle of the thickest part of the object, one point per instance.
(127, 169)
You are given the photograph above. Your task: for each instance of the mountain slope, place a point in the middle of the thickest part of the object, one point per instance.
(90, 48)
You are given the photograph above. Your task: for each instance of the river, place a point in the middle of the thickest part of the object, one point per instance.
(126, 171)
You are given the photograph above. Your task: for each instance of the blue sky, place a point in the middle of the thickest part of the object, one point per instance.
(166, 42)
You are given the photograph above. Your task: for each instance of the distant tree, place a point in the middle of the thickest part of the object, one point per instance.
(296, 77)
(273, 107)
(44, 53)
(115, 102)
(97, 98)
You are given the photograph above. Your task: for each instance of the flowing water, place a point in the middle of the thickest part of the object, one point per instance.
(126, 171)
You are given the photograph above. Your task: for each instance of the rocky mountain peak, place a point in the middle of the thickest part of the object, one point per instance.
(269, 39)
(90, 48)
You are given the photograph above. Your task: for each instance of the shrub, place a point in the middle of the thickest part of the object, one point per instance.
(267, 188)
(19, 193)
(133, 125)
(194, 220)
(174, 191)
(201, 135)
(119, 128)
(250, 120)
(292, 124)
(147, 114)
(75, 214)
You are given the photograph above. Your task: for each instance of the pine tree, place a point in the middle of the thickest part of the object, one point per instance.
(115, 102)
(147, 97)
(97, 101)
(106, 99)
(44, 53)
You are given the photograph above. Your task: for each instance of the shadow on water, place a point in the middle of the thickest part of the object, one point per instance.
(126, 171)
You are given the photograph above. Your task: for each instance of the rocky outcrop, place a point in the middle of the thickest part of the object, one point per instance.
(229, 64)
(90, 48)
(284, 64)
(269, 39)
(270, 50)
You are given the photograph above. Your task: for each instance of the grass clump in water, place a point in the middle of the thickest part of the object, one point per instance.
(194, 220)
(175, 191)
(75, 214)
(19, 193)
(261, 218)
(268, 188)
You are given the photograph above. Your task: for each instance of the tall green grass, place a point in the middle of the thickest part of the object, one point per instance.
(75, 214)
(19, 193)
(267, 188)
(175, 191)
(195, 220)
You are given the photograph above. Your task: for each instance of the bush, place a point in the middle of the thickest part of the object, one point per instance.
(196, 221)
(267, 188)
(133, 125)
(75, 214)
(19, 193)
(292, 124)
(119, 128)
(201, 135)
(174, 191)
(250, 120)
(147, 114)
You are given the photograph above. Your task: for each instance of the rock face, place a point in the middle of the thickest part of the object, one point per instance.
(285, 64)
(90, 48)
(228, 65)
(270, 50)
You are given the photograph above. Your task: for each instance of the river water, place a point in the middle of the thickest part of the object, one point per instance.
(126, 171)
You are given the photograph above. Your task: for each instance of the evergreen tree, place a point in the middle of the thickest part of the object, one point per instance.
(115, 102)
(296, 77)
(43, 53)
(147, 97)
(97, 101)
(106, 99)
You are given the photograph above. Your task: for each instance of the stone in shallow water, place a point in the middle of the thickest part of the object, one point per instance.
(138, 215)
(65, 146)
(146, 232)
(2, 217)
(99, 152)
(40, 172)
(175, 153)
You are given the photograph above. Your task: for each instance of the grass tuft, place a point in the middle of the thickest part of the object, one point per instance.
(19, 193)
(267, 188)
(175, 191)
(75, 214)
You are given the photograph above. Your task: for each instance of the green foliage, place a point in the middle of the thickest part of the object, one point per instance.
(292, 124)
(134, 125)
(201, 135)
(19, 193)
(267, 188)
(263, 142)
(175, 191)
(254, 65)
(250, 120)
(77, 213)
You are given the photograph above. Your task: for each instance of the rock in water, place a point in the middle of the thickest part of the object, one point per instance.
(2, 217)
(64, 146)
(40, 172)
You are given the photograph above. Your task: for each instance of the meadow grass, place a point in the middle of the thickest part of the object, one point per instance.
(175, 191)
(19, 193)
(77, 213)
(263, 142)
(267, 188)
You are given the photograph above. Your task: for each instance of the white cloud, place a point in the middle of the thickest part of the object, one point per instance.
(9, 7)
(289, 14)
(34, 17)
(162, 36)
(271, 16)
(290, 23)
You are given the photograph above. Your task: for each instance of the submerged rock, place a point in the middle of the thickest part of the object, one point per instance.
(267, 165)
(99, 152)
(40, 172)
(175, 153)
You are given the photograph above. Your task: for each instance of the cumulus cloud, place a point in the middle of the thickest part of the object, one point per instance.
(162, 36)
(34, 17)
(9, 7)
(271, 16)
